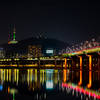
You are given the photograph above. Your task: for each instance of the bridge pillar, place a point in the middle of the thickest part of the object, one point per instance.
(80, 57)
(90, 62)
(80, 82)
(90, 72)
(65, 63)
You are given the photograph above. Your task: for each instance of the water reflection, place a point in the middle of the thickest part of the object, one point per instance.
(80, 82)
(90, 79)
(38, 83)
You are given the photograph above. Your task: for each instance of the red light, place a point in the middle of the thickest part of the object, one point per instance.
(79, 89)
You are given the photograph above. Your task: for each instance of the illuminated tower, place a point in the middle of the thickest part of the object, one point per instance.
(12, 37)
(14, 32)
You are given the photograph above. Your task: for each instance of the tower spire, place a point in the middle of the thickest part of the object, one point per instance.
(12, 36)
(14, 33)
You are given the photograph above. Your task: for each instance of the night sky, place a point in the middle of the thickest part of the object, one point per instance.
(69, 21)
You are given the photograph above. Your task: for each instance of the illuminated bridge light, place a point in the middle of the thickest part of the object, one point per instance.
(82, 90)
(80, 62)
(87, 50)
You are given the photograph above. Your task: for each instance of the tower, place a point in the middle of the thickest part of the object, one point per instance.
(12, 35)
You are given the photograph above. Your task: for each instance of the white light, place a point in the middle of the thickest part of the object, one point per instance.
(49, 51)
(49, 85)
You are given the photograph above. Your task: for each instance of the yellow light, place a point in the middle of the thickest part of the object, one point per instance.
(7, 74)
(35, 75)
(28, 77)
(4, 74)
(43, 76)
(1, 74)
(56, 76)
(31, 75)
(40, 76)
(17, 75)
(12, 91)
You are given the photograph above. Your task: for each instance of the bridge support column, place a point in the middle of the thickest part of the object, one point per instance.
(80, 82)
(90, 71)
(80, 62)
(65, 63)
(90, 62)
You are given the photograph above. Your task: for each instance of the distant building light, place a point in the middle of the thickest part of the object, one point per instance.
(49, 51)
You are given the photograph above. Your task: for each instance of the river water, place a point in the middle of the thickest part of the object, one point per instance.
(49, 84)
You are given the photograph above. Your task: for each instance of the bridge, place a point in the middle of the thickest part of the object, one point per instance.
(84, 51)
(41, 62)
(83, 54)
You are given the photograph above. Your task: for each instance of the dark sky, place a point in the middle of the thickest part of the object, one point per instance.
(69, 21)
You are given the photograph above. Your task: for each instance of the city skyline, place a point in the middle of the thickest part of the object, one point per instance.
(49, 50)
(71, 21)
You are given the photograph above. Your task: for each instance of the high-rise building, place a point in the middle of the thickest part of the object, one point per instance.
(34, 51)
(2, 53)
